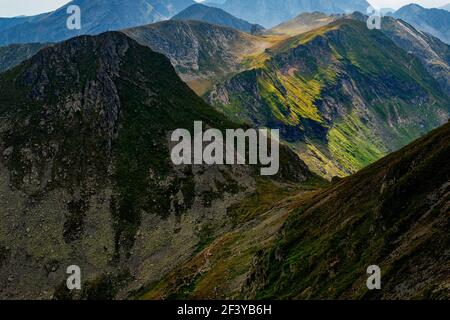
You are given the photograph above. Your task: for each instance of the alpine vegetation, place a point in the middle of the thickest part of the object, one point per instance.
(235, 148)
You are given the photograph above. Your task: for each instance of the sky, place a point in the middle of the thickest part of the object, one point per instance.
(12, 8)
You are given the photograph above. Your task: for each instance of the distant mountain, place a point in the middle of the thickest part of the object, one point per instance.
(202, 53)
(302, 23)
(433, 21)
(97, 16)
(85, 163)
(446, 7)
(393, 214)
(217, 16)
(385, 11)
(342, 95)
(269, 13)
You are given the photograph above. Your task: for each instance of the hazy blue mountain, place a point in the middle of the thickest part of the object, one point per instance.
(433, 21)
(269, 13)
(97, 16)
(217, 16)
(446, 7)
(385, 11)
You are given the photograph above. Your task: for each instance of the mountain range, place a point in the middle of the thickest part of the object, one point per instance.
(86, 176)
(96, 17)
(217, 16)
(271, 13)
(433, 21)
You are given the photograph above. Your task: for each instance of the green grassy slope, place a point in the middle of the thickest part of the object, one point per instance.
(347, 92)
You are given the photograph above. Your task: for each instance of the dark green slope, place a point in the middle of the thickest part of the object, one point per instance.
(342, 95)
(394, 214)
(86, 176)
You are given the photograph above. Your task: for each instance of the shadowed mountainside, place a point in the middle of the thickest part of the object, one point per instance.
(394, 214)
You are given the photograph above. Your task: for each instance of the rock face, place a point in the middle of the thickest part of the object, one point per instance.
(343, 96)
(217, 16)
(97, 16)
(202, 53)
(394, 214)
(433, 21)
(270, 13)
(85, 171)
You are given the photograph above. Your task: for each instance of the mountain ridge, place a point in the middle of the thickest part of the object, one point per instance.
(433, 21)
(97, 16)
(299, 86)
(217, 16)
(270, 14)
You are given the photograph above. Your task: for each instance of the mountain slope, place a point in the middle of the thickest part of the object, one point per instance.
(202, 53)
(217, 16)
(12, 55)
(434, 54)
(302, 23)
(343, 96)
(270, 13)
(433, 21)
(86, 176)
(96, 16)
(394, 214)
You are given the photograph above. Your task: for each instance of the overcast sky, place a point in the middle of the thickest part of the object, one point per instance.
(11, 8)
